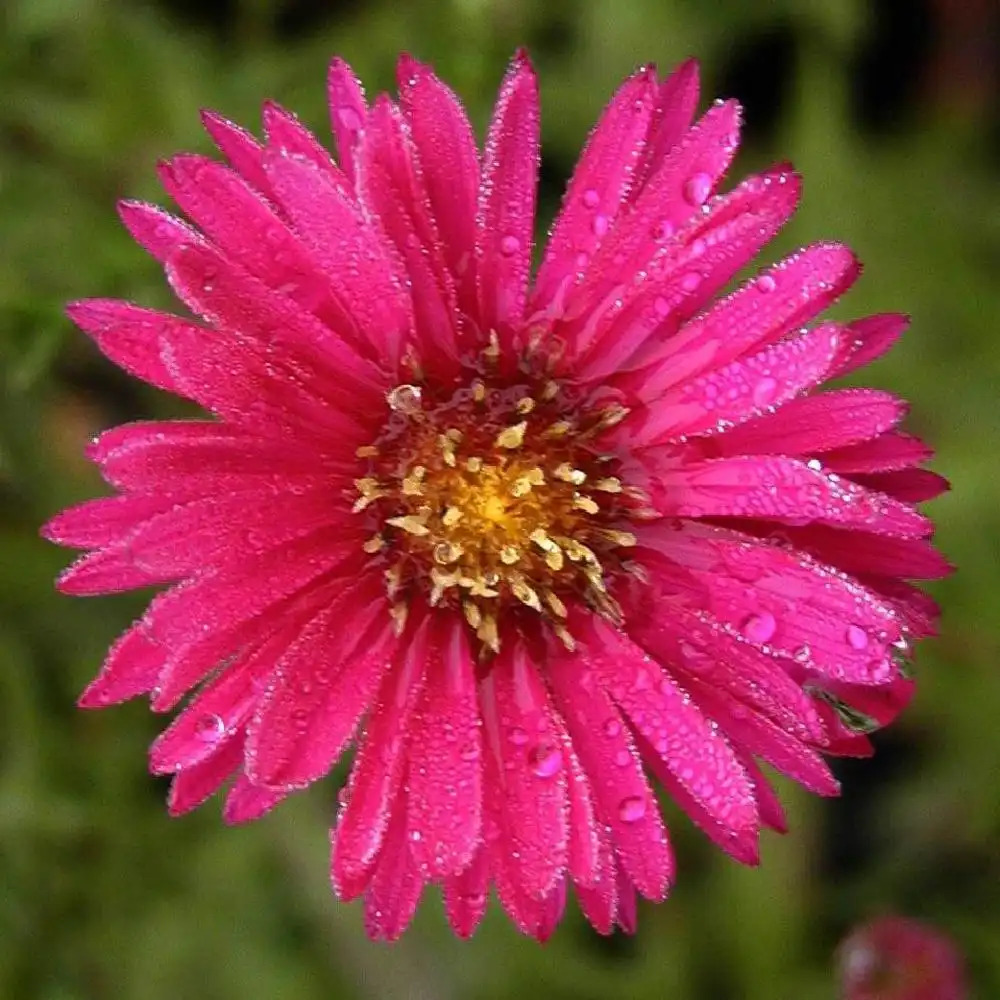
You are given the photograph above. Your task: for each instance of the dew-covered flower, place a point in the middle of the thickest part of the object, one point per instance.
(532, 544)
(895, 958)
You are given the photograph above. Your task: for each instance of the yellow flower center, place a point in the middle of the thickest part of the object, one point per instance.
(498, 501)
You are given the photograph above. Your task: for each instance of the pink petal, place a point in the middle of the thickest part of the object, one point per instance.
(600, 186)
(131, 668)
(741, 390)
(247, 801)
(676, 102)
(783, 600)
(781, 489)
(758, 313)
(812, 424)
(226, 703)
(662, 207)
(889, 451)
(350, 252)
(772, 814)
(681, 278)
(528, 747)
(599, 900)
(505, 217)
(240, 148)
(584, 831)
(192, 786)
(906, 485)
(320, 688)
(449, 161)
(396, 885)
(378, 767)
(348, 111)
(701, 761)
(628, 913)
(129, 335)
(392, 190)
(231, 299)
(466, 895)
(100, 522)
(155, 230)
(871, 337)
(624, 800)
(446, 782)
(288, 137)
(764, 739)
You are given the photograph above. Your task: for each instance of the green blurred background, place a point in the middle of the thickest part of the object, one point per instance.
(891, 111)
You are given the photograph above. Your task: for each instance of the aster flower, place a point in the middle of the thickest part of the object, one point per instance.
(530, 544)
(895, 958)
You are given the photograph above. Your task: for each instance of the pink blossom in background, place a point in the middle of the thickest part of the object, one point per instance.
(530, 544)
(894, 958)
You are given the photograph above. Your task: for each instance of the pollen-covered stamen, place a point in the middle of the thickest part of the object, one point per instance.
(492, 499)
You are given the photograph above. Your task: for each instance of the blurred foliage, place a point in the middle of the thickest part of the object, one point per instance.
(102, 894)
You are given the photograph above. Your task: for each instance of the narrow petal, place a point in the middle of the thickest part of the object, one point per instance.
(813, 424)
(700, 760)
(772, 813)
(781, 489)
(351, 252)
(240, 148)
(130, 669)
(378, 768)
(319, 690)
(449, 161)
(348, 110)
(247, 801)
(158, 232)
(95, 523)
(288, 137)
(738, 392)
(445, 792)
(757, 314)
(396, 885)
(599, 900)
(906, 485)
(871, 337)
(889, 451)
(192, 786)
(466, 895)
(601, 183)
(624, 800)
(531, 769)
(505, 218)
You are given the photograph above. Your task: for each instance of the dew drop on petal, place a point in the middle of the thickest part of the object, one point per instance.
(760, 627)
(546, 760)
(690, 281)
(697, 188)
(623, 758)
(662, 306)
(591, 198)
(518, 736)
(349, 118)
(404, 398)
(765, 283)
(764, 391)
(600, 225)
(509, 246)
(612, 728)
(857, 637)
(210, 728)
(631, 809)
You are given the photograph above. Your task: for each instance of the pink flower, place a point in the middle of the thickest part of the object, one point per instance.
(894, 958)
(532, 544)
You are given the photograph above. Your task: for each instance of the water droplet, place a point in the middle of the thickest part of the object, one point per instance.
(663, 230)
(697, 189)
(582, 260)
(765, 283)
(690, 281)
(591, 198)
(600, 225)
(546, 760)
(764, 391)
(760, 627)
(623, 758)
(415, 836)
(662, 306)
(631, 809)
(612, 728)
(210, 728)
(509, 246)
(857, 637)
(470, 752)
(518, 736)
(404, 398)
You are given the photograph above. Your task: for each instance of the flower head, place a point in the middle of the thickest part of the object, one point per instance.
(528, 542)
